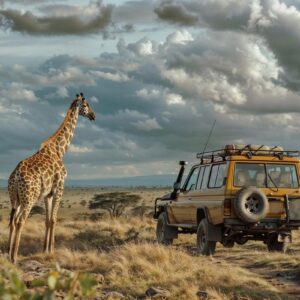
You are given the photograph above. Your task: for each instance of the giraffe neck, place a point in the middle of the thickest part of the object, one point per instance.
(61, 139)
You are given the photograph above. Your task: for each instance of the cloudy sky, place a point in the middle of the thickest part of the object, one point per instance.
(157, 73)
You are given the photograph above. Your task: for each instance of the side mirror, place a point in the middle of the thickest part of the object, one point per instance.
(224, 181)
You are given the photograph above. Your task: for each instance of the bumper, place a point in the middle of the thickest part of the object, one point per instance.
(264, 225)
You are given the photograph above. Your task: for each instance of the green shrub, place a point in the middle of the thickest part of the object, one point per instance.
(71, 285)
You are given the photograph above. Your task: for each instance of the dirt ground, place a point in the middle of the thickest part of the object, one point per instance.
(125, 253)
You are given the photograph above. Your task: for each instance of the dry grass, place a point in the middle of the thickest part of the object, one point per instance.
(124, 251)
(133, 268)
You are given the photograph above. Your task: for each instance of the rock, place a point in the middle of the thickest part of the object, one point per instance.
(202, 295)
(28, 278)
(113, 295)
(157, 292)
(99, 277)
(32, 265)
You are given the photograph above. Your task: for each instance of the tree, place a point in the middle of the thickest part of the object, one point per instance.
(114, 202)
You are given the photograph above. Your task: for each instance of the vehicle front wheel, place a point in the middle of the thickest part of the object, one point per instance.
(275, 246)
(204, 246)
(161, 230)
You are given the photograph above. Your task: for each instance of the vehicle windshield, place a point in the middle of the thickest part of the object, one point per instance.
(266, 175)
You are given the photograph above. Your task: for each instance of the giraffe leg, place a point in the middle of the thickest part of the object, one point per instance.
(48, 206)
(16, 242)
(19, 224)
(12, 229)
(13, 195)
(53, 217)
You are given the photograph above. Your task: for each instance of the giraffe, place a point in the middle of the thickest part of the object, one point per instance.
(42, 176)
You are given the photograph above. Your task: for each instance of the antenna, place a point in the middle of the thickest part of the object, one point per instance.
(210, 133)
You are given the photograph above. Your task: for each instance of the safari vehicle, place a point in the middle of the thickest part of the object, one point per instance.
(235, 194)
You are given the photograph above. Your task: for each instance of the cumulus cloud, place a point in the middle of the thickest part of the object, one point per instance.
(111, 76)
(147, 125)
(175, 12)
(60, 21)
(274, 21)
(175, 99)
(180, 37)
(148, 94)
(94, 99)
(144, 47)
(17, 92)
(79, 149)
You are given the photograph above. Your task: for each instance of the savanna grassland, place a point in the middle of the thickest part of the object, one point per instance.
(125, 261)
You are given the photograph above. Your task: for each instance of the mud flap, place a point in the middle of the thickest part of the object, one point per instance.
(214, 233)
(170, 231)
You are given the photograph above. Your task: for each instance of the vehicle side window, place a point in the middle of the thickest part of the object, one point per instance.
(217, 175)
(200, 177)
(205, 178)
(192, 181)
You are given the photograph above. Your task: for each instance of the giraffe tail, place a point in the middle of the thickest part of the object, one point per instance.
(13, 195)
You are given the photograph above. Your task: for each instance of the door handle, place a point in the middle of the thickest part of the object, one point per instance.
(190, 198)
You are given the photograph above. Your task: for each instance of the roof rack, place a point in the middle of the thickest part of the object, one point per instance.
(247, 150)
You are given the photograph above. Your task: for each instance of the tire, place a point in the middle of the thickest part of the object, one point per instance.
(275, 246)
(204, 246)
(228, 244)
(251, 205)
(161, 228)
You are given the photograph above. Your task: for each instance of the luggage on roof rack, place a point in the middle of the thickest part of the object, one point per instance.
(255, 149)
(248, 150)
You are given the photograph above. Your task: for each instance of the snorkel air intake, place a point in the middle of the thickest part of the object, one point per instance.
(177, 183)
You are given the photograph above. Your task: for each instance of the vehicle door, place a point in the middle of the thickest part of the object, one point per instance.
(181, 207)
(210, 192)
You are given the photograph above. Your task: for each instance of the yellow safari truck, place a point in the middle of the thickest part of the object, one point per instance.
(234, 194)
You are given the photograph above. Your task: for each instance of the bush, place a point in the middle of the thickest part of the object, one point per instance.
(83, 203)
(142, 210)
(96, 216)
(101, 240)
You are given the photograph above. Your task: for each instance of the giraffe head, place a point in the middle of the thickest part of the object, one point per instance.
(84, 108)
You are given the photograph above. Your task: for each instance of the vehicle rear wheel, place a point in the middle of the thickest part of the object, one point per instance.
(161, 230)
(228, 243)
(251, 205)
(275, 246)
(204, 246)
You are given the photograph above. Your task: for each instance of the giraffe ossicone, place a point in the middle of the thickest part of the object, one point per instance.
(42, 176)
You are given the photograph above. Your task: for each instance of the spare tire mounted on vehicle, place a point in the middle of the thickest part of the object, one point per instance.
(251, 205)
